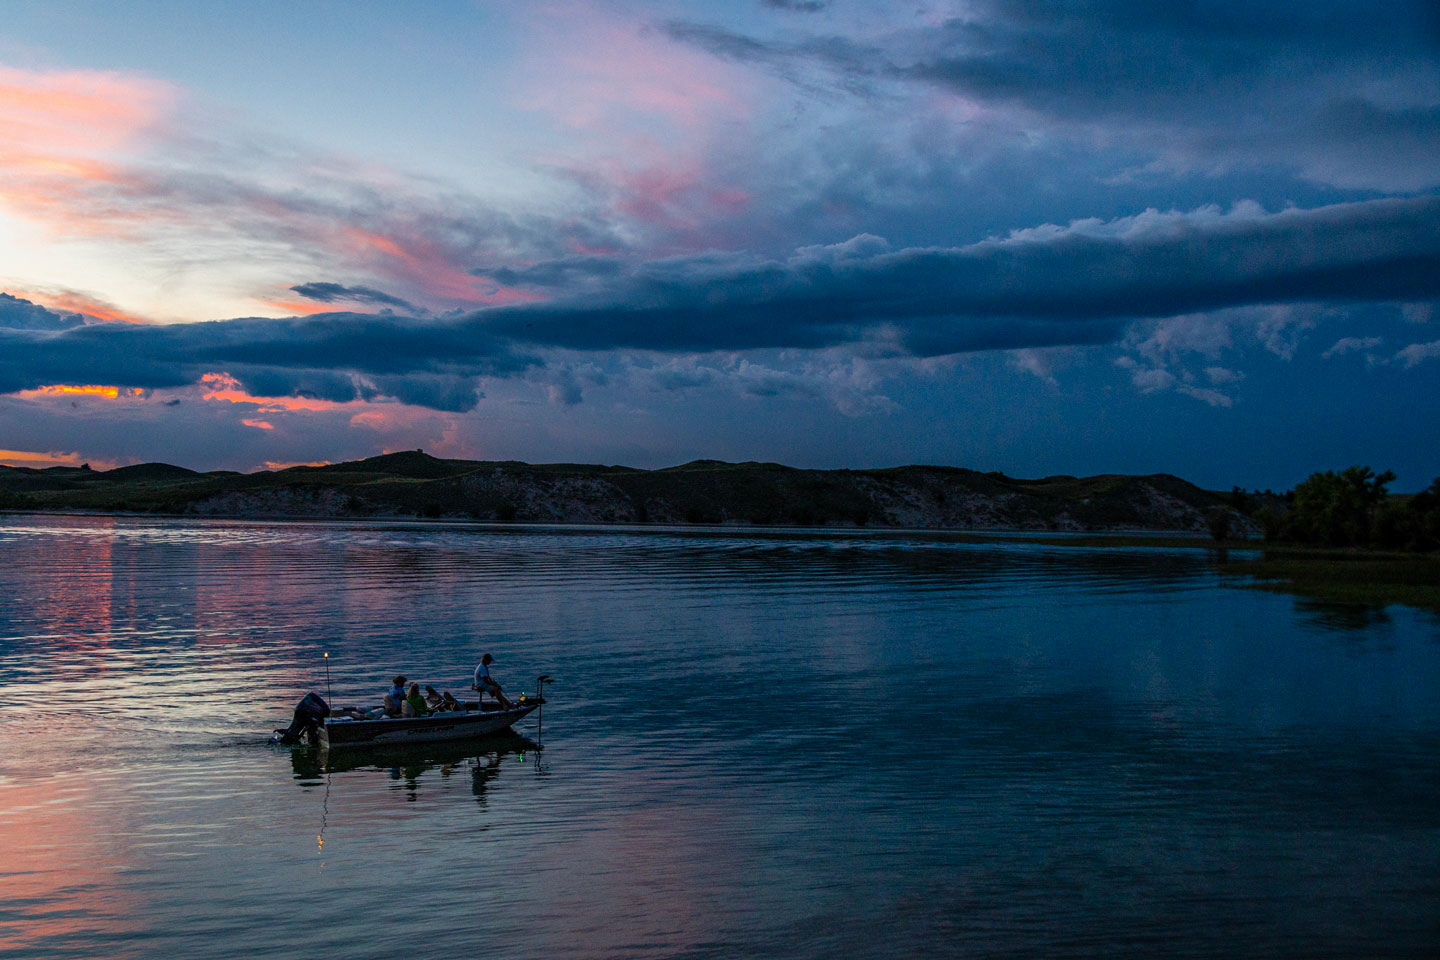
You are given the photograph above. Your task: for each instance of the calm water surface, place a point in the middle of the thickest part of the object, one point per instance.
(779, 744)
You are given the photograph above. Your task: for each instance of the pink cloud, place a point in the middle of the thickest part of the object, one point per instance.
(106, 156)
(675, 197)
(593, 72)
(47, 115)
(64, 300)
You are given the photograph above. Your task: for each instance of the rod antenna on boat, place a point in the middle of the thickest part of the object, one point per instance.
(328, 694)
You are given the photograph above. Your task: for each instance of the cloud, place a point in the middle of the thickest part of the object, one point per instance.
(1417, 312)
(1044, 286)
(1417, 353)
(1350, 345)
(18, 314)
(336, 357)
(1223, 375)
(334, 292)
(1327, 90)
(122, 161)
(1052, 285)
(850, 384)
(1212, 397)
(796, 6)
(41, 459)
(567, 273)
(1151, 380)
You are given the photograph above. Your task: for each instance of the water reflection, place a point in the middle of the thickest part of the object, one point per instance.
(481, 758)
(1343, 617)
(783, 743)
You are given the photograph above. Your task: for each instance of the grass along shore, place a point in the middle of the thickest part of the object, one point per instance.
(1326, 574)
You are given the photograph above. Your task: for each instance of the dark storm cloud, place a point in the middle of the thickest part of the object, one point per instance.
(567, 272)
(1337, 91)
(334, 293)
(1046, 286)
(17, 314)
(336, 357)
(1050, 285)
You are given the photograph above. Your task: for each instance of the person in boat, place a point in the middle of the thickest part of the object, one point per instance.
(395, 699)
(415, 705)
(486, 683)
(441, 702)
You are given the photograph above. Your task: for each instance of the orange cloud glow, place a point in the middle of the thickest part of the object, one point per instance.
(80, 390)
(259, 424)
(37, 459)
(287, 464)
(72, 301)
(76, 111)
(299, 308)
(223, 387)
(56, 131)
(92, 155)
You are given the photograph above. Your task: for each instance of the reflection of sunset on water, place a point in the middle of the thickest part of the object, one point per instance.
(753, 732)
(61, 875)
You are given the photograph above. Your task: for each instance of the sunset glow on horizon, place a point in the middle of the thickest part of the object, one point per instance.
(980, 234)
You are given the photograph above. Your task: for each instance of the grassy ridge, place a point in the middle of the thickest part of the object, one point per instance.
(704, 491)
(411, 484)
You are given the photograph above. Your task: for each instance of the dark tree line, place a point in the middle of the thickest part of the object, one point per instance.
(1351, 508)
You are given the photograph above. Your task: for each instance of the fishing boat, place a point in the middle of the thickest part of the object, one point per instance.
(316, 725)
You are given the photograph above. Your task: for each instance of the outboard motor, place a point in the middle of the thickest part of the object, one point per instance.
(309, 714)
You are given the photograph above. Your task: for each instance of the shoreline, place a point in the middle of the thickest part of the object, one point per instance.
(1329, 575)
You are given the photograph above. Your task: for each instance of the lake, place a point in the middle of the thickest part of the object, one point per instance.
(760, 744)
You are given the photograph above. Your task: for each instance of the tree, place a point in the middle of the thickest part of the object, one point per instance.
(1219, 523)
(1337, 509)
(1411, 526)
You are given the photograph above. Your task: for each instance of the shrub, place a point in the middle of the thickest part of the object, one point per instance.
(1219, 523)
(1337, 509)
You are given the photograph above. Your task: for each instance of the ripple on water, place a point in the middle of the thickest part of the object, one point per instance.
(762, 743)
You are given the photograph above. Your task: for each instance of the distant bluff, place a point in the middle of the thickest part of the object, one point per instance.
(414, 484)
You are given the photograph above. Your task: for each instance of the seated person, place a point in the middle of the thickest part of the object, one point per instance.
(486, 684)
(448, 702)
(395, 699)
(432, 698)
(414, 705)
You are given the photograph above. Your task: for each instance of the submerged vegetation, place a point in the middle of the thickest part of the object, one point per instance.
(1345, 576)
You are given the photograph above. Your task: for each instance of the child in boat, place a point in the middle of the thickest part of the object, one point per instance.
(414, 705)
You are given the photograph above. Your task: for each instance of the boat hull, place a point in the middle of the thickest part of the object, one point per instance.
(401, 730)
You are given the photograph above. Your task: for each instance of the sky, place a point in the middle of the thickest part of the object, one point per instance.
(1101, 236)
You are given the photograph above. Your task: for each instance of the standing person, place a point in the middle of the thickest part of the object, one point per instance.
(486, 683)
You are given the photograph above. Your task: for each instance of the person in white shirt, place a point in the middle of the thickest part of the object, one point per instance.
(486, 683)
